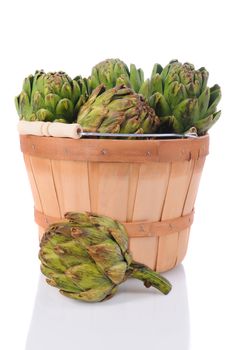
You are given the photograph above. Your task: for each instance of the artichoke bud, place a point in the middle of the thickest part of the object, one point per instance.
(198, 77)
(203, 102)
(107, 72)
(205, 76)
(65, 108)
(110, 79)
(123, 80)
(111, 124)
(32, 117)
(39, 82)
(102, 78)
(186, 77)
(175, 94)
(215, 93)
(203, 125)
(59, 120)
(193, 89)
(149, 124)
(78, 105)
(94, 80)
(84, 89)
(122, 104)
(141, 75)
(47, 96)
(145, 89)
(23, 98)
(161, 106)
(25, 109)
(130, 126)
(123, 90)
(76, 91)
(157, 69)
(111, 110)
(215, 97)
(27, 85)
(44, 115)
(165, 71)
(156, 83)
(120, 68)
(169, 80)
(51, 101)
(66, 91)
(134, 78)
(58, 280)
(37, 101)
(92, 264)
(185, 113)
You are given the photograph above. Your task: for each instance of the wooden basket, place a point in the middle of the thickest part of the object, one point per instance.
(149, 185)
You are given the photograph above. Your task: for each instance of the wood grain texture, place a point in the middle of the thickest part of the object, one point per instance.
(123, 151)
(72, 186)
(189, 206)
(34, 188)
(108, 186)
(43, 173)
(134, 170)
(179, 180)
(150, 194)
(194, 185)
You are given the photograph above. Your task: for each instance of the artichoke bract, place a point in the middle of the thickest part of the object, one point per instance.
(113, 72)
(117, 110)
(87, 257)
(51, 97)
(181, 98)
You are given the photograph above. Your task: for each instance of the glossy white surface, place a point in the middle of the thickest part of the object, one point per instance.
(136, 317)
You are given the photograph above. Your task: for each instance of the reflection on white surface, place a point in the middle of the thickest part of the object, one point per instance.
(135, 318)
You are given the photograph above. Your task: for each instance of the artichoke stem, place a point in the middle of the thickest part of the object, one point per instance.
(149, 277)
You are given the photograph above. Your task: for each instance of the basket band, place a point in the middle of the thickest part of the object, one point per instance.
(123, 151)
(136, 228)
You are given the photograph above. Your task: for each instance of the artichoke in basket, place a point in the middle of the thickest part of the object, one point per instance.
(181, 98)
(51, 97)
(112, 72)
(87, 257)
(117, 110)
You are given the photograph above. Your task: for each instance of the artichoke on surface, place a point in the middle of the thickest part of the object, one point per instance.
(181, 98)
(117, 110)
(87, 257)
(51, 97)
(112, 72)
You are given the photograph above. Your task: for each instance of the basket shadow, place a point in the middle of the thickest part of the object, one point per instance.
(135, 317)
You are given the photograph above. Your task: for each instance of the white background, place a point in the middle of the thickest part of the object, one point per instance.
(73, 36)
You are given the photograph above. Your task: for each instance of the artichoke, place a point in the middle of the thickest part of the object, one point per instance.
(51, 97)
(181, 98)
(112, 72)
(87, 257)
(117, 110)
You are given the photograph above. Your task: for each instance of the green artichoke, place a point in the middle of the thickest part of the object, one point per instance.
(181, 98)
(87, 257)
(117, 110)
(112, 72)
(51, 97)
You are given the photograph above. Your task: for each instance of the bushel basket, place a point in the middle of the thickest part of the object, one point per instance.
(149, 185)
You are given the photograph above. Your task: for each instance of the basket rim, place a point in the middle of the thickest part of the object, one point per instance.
(111, 150)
